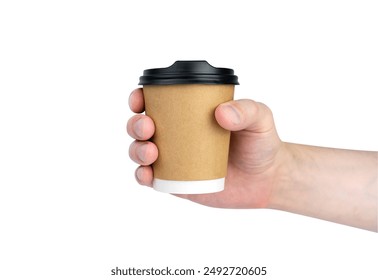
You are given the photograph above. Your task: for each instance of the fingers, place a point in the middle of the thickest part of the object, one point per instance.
(136, 101)
(140, 127)
(244, 114)
(143, 153)
(144, 175)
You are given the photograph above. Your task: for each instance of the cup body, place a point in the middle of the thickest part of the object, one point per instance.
(193, 148)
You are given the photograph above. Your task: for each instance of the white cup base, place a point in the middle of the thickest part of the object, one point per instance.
(189, 187)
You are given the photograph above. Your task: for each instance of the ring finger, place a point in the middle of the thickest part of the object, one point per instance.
(143, 152)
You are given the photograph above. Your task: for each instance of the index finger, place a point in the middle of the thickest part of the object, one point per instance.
(136, 100)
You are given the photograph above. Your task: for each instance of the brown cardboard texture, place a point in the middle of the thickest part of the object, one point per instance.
(192, 146)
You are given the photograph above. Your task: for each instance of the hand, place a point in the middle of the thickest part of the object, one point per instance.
(264, 172)
(255, 158)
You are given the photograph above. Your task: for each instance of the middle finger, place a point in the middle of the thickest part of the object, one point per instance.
(140, 127)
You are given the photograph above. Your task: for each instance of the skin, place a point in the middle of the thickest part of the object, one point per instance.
(264, 172)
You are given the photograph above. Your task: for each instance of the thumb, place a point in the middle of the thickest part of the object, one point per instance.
(244, 114)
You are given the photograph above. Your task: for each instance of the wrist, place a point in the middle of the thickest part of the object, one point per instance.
(284, 177)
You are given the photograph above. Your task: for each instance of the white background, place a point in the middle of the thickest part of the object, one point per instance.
(69, 205)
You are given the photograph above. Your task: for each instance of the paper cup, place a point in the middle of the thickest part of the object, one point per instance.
(193, 148)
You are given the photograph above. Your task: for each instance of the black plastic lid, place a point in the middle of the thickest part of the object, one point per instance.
(188, 72)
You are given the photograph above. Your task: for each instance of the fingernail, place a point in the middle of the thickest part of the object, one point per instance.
(232, 114)
(139, 174)
(141, 152)
(138, 128)
(129, 100)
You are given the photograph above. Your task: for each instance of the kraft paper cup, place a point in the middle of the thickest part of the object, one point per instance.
(193, 148)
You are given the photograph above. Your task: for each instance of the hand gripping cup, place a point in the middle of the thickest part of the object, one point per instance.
(193, 148)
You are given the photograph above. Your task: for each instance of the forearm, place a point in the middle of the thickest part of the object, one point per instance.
(331, 184)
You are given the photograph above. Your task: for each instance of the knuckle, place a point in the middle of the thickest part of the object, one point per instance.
(266, 110)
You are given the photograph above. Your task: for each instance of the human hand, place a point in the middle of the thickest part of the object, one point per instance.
(255, 157)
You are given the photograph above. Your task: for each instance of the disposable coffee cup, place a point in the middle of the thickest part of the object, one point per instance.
(193, 148)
